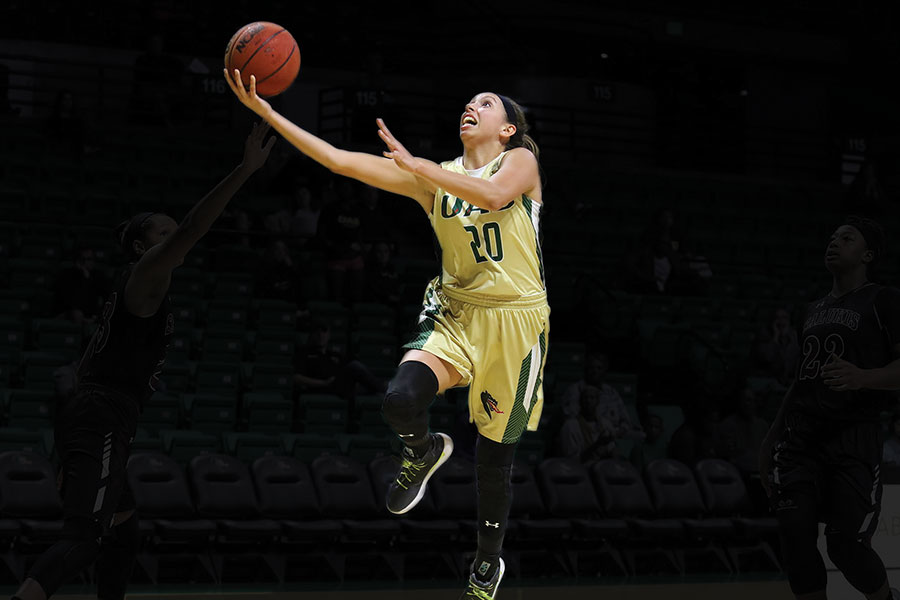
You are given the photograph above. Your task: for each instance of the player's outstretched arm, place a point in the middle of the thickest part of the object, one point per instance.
(517, 175)
(152, 273)
(370, 169)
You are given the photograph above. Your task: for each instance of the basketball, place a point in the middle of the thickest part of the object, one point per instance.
(267, 51)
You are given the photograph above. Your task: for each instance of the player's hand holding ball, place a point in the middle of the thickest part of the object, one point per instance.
(270, 60)
(248, 98)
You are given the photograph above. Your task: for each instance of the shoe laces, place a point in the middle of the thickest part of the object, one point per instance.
(409, 468)
(476, 591)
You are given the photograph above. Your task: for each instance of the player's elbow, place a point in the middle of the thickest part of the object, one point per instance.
(498, 201)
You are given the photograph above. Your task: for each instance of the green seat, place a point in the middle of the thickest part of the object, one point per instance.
(177, 374)
(268, 412)
(38, 440)
(223, 349)
(278, 377)
(324, 413)
(161, 411)
(146, 441)
(31, 409)
(184, 444)
(226, 318)
(39, 368)
(218, 377)
(334, 313)
(211, 413)
(277, 352)
(247, 447)
(365, 446)
(275, 314)
(308, 446)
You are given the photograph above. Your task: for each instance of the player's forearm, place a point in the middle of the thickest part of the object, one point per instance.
(883, 378)
(200, 218)
(312, 146)
(474, 190)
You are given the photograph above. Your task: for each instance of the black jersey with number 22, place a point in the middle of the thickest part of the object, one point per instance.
(861, 327)
(127, 352)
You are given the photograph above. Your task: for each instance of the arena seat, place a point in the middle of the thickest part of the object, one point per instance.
(346, 493)
(725, 495)
(175, 540)
(244, 542)
(624, 499)
(675, 495)
(419, 528)
(287, 494)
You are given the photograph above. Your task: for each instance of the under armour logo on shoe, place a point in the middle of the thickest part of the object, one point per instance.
(494, 525)
(490, 404)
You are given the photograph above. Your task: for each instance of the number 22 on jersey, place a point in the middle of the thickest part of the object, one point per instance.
(816, 354)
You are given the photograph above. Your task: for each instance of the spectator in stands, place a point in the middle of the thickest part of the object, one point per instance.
(382, 277)
(697, 269)
(652, 447)
(776, 350)
(321, 368)
(339, 232)
(656, 263)
(587, 435)
(653, 267)
(296, 219)
(610, 405)
(305, 219)
(279, 276)
(742, 433)
(699, 436)
(81, 289)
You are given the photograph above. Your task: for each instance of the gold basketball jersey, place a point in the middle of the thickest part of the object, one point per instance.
(488, 256)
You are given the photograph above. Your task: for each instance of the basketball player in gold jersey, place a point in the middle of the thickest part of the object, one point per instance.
(484, 322)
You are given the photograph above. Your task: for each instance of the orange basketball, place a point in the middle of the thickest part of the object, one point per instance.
(267, 51)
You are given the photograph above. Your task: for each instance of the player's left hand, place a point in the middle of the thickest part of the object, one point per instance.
(841, 376)
(396, 151)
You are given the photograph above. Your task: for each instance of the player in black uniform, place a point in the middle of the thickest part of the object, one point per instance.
(118, 372)
(820, 461)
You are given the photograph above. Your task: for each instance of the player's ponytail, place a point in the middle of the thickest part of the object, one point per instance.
(516, 115)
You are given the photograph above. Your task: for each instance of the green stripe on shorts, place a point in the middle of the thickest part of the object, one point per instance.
(422, 333)
(518, 416)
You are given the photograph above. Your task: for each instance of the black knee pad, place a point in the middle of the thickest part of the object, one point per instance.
(406, 402)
